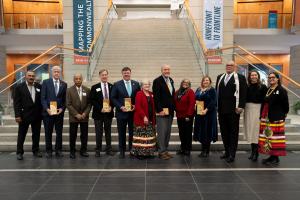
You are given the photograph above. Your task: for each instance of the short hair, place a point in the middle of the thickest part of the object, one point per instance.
(77, 74)
(204, 77)
(103, 70)
(30, 71)
(258, 75)
(145, 81)
(56, 67)
(126, 69)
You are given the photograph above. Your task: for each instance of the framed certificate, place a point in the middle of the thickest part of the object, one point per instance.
(106, 105)
(127, 104)
(166, 111)
(53, 108)
(200, 107)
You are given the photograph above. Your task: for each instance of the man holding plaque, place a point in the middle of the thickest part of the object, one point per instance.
(163, 91)
(53, 98)
(78, 104)
(123, 97)
(102, 112)
(231, 99)
(28, 108)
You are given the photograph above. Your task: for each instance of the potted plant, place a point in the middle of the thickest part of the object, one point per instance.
(296, 107)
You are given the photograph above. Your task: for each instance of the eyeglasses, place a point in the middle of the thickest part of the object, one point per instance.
(271, 77)
(229, 65)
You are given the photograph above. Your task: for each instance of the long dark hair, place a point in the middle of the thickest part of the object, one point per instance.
(277, 76)
(258, 75)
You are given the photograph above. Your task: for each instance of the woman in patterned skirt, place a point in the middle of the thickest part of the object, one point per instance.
(272, 132)
(144, 139)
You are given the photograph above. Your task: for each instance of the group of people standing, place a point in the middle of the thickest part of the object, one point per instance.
(149, 115)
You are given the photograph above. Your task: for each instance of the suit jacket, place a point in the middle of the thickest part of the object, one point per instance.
(97, 101)
(278, 104)
(75, 106)
(118, 94)
(23, 104)
(226, 98)
(162, 96)
(48, 94)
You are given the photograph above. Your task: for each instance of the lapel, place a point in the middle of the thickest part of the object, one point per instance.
(37, 93)
(166, 85)
(60, 87)
(27, 91)
(52, 87)
(74, 88)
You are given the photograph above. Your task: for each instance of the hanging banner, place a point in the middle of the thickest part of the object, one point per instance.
(213, 23)
(83, 29)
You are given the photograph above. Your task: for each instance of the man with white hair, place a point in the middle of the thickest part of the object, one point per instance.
(53, 99)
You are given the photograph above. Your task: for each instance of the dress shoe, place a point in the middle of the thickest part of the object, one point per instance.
(48, 155)
(72, 155)
(122, 155)
(230, 159)
(187, 153)
(84, 154)
(203, 154)
(272, 160)
(168, 154)
(179, 152)
(59, 154)
(19, 156)
(224, 156)
(37, 154)
(97, 154)
(164, 156)
(110, 153)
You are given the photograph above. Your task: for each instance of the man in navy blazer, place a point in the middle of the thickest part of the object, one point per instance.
(122, 89)
(53, 90)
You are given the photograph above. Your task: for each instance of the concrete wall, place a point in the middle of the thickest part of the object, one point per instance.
(295, 71)
(100, 7)
(3, 97)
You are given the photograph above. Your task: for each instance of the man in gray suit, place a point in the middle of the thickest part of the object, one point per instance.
(78, 104)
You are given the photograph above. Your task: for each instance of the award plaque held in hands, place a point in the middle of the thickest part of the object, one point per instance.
(53, 108)
(106, 105)
(200, 107)
(127, 104)
(166, 111)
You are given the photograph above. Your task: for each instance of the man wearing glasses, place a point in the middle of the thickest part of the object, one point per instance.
(231, 91)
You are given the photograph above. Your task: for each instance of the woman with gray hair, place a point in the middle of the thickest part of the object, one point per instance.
(144, 140)
(185, 108)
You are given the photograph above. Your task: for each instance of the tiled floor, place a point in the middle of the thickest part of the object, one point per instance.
(109, 178)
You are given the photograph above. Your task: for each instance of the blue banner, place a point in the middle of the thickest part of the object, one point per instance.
(83, 28)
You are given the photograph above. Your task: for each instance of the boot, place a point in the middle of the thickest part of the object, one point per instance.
(255, 155)
(252, 151)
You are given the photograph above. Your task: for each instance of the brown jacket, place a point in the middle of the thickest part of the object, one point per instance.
(75, 106)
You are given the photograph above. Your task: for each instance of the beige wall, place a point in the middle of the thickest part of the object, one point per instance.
(100, 7)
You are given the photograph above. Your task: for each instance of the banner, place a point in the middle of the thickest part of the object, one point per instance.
(213, 23)
(83, 28)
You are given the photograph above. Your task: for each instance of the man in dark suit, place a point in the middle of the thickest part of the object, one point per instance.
(79, 106)
(232, 91)
(28, 109)
(122, 89)
(102, 117)
(54, 90)
(163, 91)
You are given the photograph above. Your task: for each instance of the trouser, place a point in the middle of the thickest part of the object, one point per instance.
(229, 126)
(122, 125)
(99, 123)
(185, 133)
(83, 136)
(22, 132)
(164, 125)
(49, 123)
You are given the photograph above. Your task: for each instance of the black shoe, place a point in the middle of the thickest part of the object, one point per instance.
(20, 156)
(84, 154)
(224, 156)
(48, 155)
(97, 154)
(59, 154)
(203, 154)
(187, 153)
(122, 155)
(180, 152)
(37, 154)
(267, 160)
(110, 153)
(72, 155)
(272, 160)
(230, 159)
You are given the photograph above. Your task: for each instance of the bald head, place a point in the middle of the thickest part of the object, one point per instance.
(230, 67)
(77, 79)
(166, 70)
(56, 71)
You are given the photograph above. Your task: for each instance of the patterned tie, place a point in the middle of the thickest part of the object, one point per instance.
(128, 88)
(169, 85)
(56, 87)
(105, 92)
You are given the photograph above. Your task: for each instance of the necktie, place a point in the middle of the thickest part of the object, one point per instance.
(169, 85)
(105, 92)
(128, 88)
(56, 87)
(79, 94)
(226, 79)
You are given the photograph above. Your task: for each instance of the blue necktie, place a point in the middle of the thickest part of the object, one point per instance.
(56, 87)
(128, 88)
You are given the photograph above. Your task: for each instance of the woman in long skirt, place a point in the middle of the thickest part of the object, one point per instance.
(272, 139)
